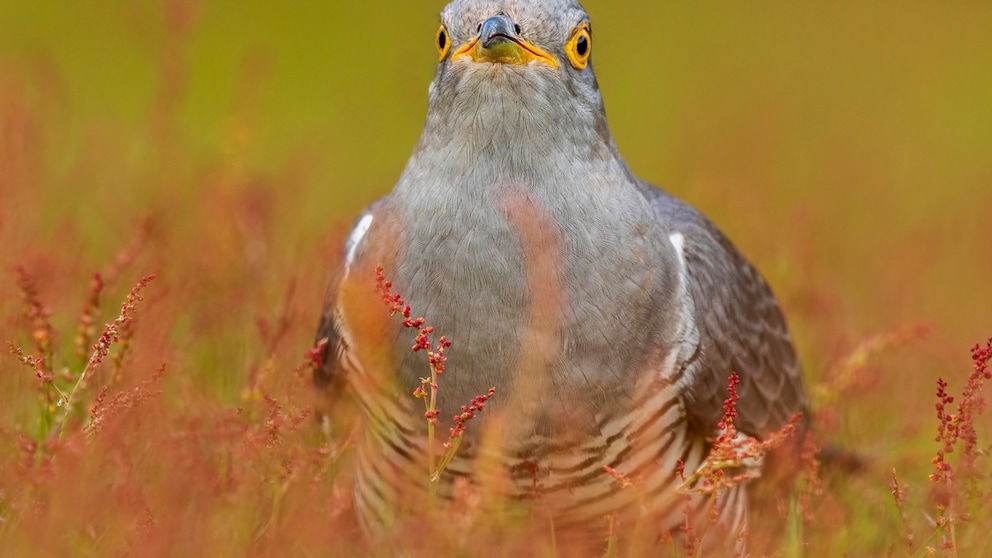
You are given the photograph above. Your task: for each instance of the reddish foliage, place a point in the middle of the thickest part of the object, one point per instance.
(952, 427)
(38, 317)
(102, 410)
(467, 414)
(732, 450)
(428, 388)
(114, 331)
(85, 329)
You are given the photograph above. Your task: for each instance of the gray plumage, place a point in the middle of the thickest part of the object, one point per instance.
(607, 313)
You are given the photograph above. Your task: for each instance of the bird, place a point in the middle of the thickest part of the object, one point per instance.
(607, 313)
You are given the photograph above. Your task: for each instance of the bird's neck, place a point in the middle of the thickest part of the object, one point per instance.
(513, 123)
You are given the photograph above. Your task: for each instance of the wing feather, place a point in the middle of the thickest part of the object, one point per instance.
(336, 356)
(740, 328)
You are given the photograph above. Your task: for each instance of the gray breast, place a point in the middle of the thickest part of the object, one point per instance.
(549, 279)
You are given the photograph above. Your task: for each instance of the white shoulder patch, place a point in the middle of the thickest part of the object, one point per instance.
(687, 334)
(678, 241)
(355, 238)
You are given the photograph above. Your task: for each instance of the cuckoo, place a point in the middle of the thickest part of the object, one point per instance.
(607, 313)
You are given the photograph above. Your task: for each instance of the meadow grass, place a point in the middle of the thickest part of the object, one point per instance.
(194, 433)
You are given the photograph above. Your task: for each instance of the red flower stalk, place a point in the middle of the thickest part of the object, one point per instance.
(899, 495)
(732, 450)
(38, 316)
(730, 405)
(85, 328)
(623, 479)
(102, 410)
(952, 427)
(467, 414)
(947, 432)
(428, 386)
(312, 358)
(960, 425)
(811, 477)
(112, 332)
(973, 403)
(35, 363)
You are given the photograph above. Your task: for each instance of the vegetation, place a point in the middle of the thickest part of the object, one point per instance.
(844, 149)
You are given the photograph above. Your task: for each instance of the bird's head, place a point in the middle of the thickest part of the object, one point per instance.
(512, 68)
(554, 34)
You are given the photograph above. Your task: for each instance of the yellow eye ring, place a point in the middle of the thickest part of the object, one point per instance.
(579, 47)
(442, 41)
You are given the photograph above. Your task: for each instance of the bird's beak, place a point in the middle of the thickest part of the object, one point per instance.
(499, 42)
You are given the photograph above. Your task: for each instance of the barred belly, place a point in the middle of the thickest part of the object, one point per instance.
(564, 484)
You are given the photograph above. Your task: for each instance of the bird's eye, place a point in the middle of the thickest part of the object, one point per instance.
(442, 42)
(579, 47)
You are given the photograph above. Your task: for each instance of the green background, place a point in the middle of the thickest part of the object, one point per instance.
(844, 148)
(874, 117)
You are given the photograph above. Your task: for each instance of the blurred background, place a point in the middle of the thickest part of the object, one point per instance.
(846, 149)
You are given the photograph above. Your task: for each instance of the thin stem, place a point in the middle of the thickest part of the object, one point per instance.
(924, 548)
(445, 459)
(433, 469)
(68, 399)
(432, 419)
(430, 447)
(954, 538)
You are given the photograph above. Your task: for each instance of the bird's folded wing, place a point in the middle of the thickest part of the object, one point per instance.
(335, 357)
(740, 326)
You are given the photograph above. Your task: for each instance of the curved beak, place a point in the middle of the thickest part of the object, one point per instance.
(499, 42)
